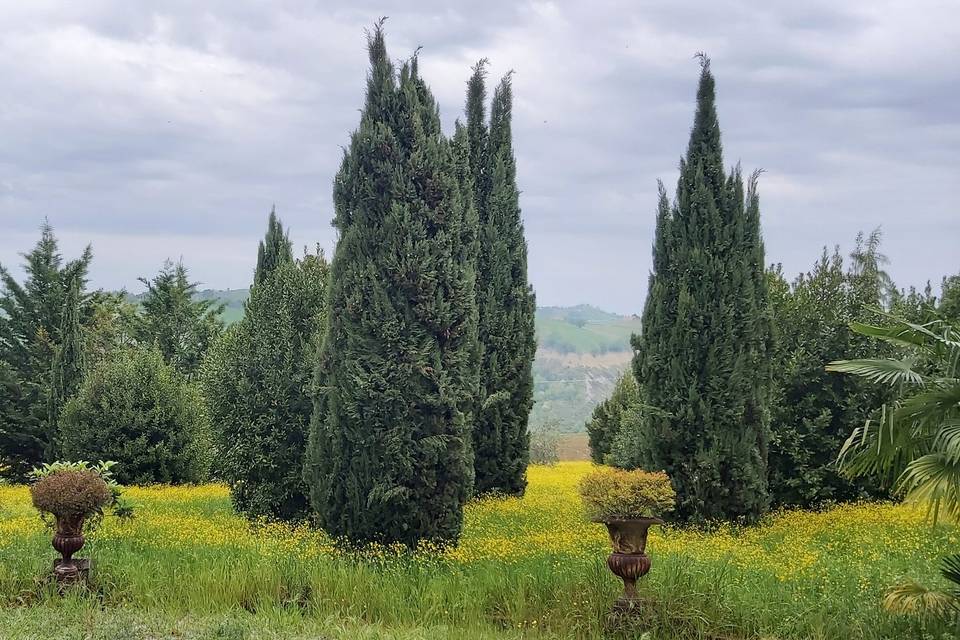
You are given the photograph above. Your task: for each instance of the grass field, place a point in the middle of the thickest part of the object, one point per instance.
(187, 567)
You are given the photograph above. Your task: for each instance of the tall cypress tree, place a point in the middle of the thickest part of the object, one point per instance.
(67, 367)
(702, 357)
(505, 300)
(389, 454)
(275, 249)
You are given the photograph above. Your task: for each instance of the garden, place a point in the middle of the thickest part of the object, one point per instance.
(354, 457)
(185, 565)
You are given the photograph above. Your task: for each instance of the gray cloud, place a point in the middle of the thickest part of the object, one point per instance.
(155, 132)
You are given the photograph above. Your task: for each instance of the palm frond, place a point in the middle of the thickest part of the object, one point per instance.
(940, 402)
(948, 440)
(911, 598)
(950, 569)
(882, 448)
(934, 481)
(886, 371)
(933, 336)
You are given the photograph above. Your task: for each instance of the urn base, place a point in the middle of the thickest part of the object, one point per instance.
(70, 572)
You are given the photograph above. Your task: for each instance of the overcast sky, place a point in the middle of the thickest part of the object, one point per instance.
(168, 129)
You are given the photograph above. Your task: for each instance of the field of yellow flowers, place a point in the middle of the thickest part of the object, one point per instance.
(187, 566)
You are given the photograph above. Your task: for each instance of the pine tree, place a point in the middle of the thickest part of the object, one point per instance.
(256, 382)
(31, 320)
(702, 357)
(275, 249)
(170, 318)
(505, 300)
(389, 456)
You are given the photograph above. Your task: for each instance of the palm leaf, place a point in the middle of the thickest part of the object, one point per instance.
(950, 569)
(912, 598)
(881, 448)
(908, 334)
(948, 440)
(935, 481)
(885, 371)
(939, 403)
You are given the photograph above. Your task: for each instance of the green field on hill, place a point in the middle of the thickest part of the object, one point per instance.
(581, 351)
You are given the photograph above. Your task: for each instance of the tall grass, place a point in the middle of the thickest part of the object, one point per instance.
(527, 567)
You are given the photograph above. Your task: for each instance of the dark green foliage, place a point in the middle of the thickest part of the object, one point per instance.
(813, 411)
(31, 333)
(274, 250)
(505, 300)
(703, 357)
(256, 381)
(23, 440)
(66, 370)
(604, 426)
(389, 458)
(170, 318)
(136, 409)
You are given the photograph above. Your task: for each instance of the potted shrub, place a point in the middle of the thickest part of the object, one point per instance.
(629, 503)
(74, 494)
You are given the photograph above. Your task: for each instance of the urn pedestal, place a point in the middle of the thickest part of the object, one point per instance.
(67, 540)
(629, 560)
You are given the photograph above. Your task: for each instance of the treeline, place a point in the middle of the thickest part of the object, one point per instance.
(728, 391)
(375, 393)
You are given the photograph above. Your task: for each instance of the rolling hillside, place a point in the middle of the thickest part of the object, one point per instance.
(581, 352)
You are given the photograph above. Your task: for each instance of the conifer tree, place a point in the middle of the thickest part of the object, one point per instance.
(137, 410)
(66, 369)
(702, 357)
(505, 300)
(170, 318)
(275, 249)
(605, 423)
(389, 456)
(256, 381)
(31, 320)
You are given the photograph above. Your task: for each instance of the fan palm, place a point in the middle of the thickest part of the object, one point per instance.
(915, 443)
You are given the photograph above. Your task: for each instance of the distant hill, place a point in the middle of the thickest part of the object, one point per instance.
(232, 298)
(581, 352)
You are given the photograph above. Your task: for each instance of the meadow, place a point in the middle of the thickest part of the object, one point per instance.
(187, 567)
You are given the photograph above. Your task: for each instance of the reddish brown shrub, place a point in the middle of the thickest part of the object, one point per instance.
(71, 493)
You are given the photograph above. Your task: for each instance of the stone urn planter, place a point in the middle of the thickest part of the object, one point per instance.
(74, 494)
(67, 540)
(629, 560)
(626, 501)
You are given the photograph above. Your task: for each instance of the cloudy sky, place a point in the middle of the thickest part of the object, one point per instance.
(168, 129)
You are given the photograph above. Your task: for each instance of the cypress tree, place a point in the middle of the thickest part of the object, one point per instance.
(389, 453)
(275, 249)
(256, 381)
(67, 367)
(505, 300)
(702, 359)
